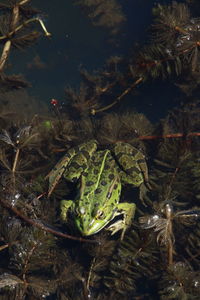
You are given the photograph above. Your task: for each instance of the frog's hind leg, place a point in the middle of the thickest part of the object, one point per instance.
(132, 164)
(72, 164)
(56, 173)
(80, 161)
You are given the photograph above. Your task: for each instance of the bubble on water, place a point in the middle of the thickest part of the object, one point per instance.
(196, 283)
(17, 195)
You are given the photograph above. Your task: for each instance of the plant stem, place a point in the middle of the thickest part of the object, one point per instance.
(5, 53)
(169, 215)
(14, 28)
(7, 46)
(133, 85)
(15, 161)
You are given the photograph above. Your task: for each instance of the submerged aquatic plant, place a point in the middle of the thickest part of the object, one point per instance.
(20, 140)
(173, 51)
(15, 32)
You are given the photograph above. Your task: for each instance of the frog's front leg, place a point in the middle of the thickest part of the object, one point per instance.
(65, 205)
(128, 211)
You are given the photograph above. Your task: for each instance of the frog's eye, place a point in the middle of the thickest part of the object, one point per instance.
(100, 215)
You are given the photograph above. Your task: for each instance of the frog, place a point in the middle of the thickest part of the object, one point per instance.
(100, 175)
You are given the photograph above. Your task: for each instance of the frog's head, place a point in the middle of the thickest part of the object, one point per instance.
(93, 222)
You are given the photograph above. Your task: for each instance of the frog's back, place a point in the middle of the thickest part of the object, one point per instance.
(100, 183)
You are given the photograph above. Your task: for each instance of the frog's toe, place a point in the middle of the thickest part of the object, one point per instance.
(115, 227)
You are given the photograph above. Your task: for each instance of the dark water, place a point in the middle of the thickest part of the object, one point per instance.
(54, 63)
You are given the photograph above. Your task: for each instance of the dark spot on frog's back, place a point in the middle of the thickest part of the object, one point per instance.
(89, 183)
(111, 176)
(96, 171)
(85, 174)
(98, 191)
(96, 163)
(106, 167)
(103, 182)
(115, 187)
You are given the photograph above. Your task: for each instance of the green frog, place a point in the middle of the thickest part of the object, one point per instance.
(100, 175)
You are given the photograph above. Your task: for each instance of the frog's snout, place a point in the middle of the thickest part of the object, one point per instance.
(88, 229)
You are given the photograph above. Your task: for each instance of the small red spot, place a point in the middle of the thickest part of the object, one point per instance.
(54, 102)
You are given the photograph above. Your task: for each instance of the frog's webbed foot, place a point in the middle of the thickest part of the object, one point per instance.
(128, 211)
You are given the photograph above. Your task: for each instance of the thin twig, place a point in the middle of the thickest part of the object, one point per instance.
(40, 225)
(134, 84)
(170, 135)
(4, 246)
